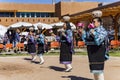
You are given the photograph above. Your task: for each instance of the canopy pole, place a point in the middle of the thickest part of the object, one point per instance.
(115, 22)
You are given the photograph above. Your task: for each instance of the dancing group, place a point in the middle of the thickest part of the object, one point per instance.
(93, 36)
(38, 39)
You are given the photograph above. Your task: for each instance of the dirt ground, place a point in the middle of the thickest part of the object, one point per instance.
(21, 68)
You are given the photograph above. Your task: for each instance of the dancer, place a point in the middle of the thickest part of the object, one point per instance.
(40, 43)
(94, 39)
(31, 43)
(66, 47)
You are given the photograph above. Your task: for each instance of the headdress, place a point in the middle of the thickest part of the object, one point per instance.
(80, 24)
(91, 25)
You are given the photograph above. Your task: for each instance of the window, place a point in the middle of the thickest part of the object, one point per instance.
(17, 14)
(22, 14)
(47, 14)
(33, 14)
(6, 14)
(11, 14)
(1, 14)
(37, 15)
(42, 15)
(28, 14)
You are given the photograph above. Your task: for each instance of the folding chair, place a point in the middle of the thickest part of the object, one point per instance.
(114, 44)
(54, 44)
(119, 44)
(20, 46)
(9, 46)
(81, 44)
(1, 47)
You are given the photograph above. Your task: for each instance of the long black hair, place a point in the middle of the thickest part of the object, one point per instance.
(99, 20)
(68, 25)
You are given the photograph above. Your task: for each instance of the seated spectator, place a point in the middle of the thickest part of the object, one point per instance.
(23, 39)
(111, 33)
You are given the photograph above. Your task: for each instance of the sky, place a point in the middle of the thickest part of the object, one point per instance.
(50, 1)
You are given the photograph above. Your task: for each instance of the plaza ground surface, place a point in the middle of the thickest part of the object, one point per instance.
(21, 68)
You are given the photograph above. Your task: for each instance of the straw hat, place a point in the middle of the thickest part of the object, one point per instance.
(66, 18)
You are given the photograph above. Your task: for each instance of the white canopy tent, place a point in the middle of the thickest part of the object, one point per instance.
(46, 26)
(24, 33)
(73, 27)
(60, 24)
(20, 24)
(3, 30)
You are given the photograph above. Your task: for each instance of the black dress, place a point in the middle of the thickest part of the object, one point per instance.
(96, 55)
(65, 51)
(40, 42)
(31, 46)
(40, 49)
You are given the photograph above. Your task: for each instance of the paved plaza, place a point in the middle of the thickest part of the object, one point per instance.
(20, 68)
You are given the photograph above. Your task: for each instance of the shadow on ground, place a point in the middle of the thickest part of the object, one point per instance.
(76, 78)
(29, 59)
(56, 68)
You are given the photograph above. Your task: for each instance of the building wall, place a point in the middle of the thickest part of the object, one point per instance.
(17, 7)
(6, 21)
(60, 9)
(27, 7)
(75, 7)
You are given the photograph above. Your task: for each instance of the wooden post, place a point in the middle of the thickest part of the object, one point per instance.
(115, 21)
(116, 31)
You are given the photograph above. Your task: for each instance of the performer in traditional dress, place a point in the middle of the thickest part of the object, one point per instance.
(31, 43)
(40, 43)
(66, 47)
(94, 39)
(78, 33)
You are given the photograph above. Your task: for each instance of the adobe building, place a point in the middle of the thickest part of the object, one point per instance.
(47, 13)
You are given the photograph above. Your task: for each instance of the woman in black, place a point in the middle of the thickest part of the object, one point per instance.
(94, 39)
(31, 44)
(66, 48)
(40, 43)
